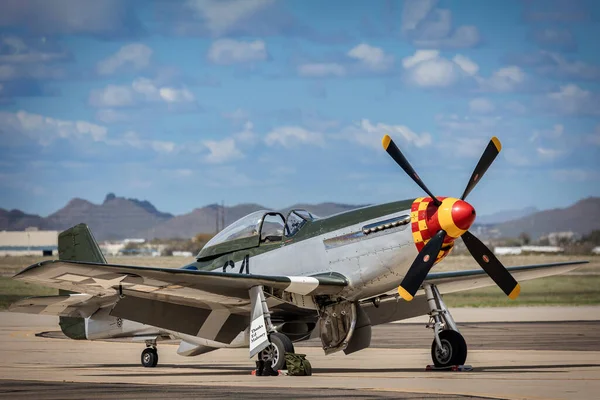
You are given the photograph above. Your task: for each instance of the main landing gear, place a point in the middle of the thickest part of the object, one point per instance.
(271, 352)
(449, 347)
(150, 355)
(274, 354)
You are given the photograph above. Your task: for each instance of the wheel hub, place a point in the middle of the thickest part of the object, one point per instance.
(270, 354)
(444, 354)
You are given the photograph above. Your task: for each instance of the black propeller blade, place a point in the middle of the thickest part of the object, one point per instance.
(420, 267)
(491, 151)
(490, 264)
(396, 154)
(426, 258)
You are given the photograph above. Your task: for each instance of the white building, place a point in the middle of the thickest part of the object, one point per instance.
(29, 242)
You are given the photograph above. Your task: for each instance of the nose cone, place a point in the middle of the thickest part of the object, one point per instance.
(463, 214)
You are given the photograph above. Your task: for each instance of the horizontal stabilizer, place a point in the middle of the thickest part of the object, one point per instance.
(72, 305)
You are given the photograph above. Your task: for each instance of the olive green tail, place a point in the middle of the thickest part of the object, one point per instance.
(77, 244)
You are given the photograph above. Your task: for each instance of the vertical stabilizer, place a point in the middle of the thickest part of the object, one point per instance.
(77, 244)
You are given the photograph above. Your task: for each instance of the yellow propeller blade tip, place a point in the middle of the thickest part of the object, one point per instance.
(404, 294)
(497, 143)
(386, 141)
(515, 292)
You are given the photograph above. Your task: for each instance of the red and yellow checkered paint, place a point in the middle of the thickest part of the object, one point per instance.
(425, 224)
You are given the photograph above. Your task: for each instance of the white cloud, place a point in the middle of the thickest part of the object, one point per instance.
(372, 57)
(419, 56)
(44, 130)
(247, 135)
(481, 105)
(548, 154)
(428, 69)
(556, 132)
(220, 16)
(112, 96)
(172, 95)
(141, 90)
(369, 134)
(222, 151)
(133, 139)
(110, 116)
(415, 11)
(289, 136)
(229, 51)
(575, 174)
(316, 70)
(466, 64)
(505, 79)
(134, 56)
(474, 126)
(572, 100)
(428, 26)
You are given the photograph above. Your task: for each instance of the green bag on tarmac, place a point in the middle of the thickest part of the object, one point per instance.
(297, 364)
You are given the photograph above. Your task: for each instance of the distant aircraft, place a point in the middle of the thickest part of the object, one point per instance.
(269, 280)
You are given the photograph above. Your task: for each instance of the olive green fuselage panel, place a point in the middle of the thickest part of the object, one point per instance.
(224, 255)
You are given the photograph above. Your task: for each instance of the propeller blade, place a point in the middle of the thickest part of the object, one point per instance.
(491, 265)
(420, 267)
(396, 154)
(489, 154)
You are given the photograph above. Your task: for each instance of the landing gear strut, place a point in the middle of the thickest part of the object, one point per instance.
(270, 345)
(449, 347)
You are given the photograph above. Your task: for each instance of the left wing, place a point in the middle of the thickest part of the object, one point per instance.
(213, 305)
(227, 289)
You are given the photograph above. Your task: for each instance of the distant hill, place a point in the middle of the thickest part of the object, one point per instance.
(506, 215)
(582, 217)
(120, 218)
(201, 220)
(16, 220)
(115, 218)
(322, 209)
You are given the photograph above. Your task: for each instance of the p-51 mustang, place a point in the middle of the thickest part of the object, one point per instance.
(269, 280)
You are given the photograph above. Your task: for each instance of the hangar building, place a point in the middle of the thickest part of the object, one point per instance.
(29, 242)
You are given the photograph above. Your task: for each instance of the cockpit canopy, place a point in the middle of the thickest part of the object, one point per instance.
(254, 229)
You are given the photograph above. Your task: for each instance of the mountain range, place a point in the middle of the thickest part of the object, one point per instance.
(119, 218)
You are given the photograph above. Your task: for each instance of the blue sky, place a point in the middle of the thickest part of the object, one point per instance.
(187, 103)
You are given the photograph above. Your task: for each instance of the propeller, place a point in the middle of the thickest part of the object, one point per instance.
(455, 217)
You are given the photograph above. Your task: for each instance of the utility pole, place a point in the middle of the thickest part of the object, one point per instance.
(222, 214)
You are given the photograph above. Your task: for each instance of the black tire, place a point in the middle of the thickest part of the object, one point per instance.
(456, 346)
(149, 357)
(275, 353)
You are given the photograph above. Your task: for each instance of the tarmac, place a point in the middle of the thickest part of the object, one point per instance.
(513, 357)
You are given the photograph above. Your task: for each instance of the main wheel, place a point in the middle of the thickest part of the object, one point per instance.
(275, 352)
(149, 357)
(453, 351)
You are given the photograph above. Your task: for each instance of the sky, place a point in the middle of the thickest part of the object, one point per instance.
(188, 103)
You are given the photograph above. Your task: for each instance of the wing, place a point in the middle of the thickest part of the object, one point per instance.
(226, 288)
(456, 281)
(390, 309)
(214, 305)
